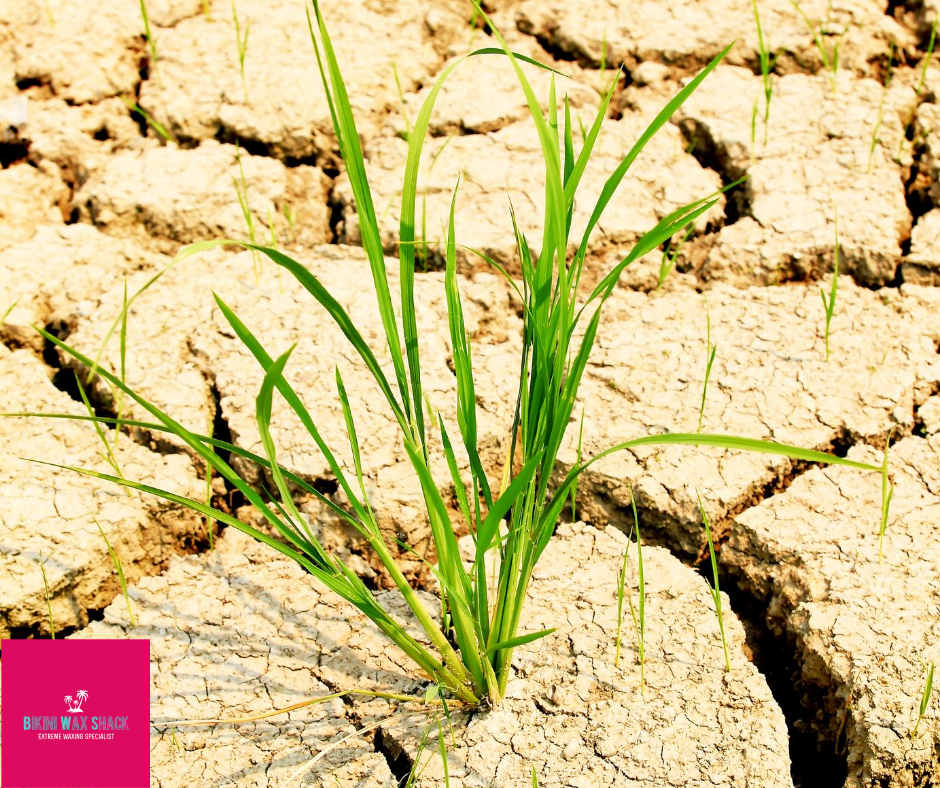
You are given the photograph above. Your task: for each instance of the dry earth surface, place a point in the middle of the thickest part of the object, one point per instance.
(96, 198)
(571, 712)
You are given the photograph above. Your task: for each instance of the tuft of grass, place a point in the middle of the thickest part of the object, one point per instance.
(158, 127)
(710, 351)
(924, 700)
(120, 573)
(241, 42)
(828, 55)
(206, 11)
(887, 493)
(45, 585)
(875, 139)
(470, 659)
(714, 588)
(829, 302)
(767, 63)
(148, 33)
(920, 82)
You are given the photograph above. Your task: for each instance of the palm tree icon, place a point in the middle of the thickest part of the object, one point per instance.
(82, 696)
(68, 700)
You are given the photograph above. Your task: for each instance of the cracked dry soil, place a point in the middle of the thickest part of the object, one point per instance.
(92, 196)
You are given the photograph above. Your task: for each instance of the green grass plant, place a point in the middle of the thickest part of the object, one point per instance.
(120, 573)
(45, 585)
(6, 313)
(875, 139)
(767, 63)
(291, 217)
(887, 493)
(714, 587)
(404, 104)
(928, 57)
(469, 658)
(241, 43)
(828, 55)
(639, 621)
(158, 127)
(241, 192)
(829, 302)
(148, 33)
(710, 351)
(621, 585)
(574, 486)
(924, 700)
(668, 261)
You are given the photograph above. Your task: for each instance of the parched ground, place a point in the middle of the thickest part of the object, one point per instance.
(116, 151)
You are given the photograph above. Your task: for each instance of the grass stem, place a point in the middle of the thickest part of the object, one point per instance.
(45, 585)
(710, 351)
(120, 573)
(714, 588)
(829, 302)
(924, 700)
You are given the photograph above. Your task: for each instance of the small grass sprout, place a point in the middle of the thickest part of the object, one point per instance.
(767, 63)
(45, 585)
(875, 139)
(120, 573)
(469, 658)
(714, 588)
(924, 700)
(829, 302)
(241, 191)
(887, 493)
(928, 57)
(621, 583)
(574, 486)
(710, 351)
(639, 622)
(404, 104)
(210, 521)
(9, 309)
(828, 55)
(291, 218)
(158, 127)
(423, 254)
(668, 261)
(99, 430)
(148, 33)
(241, 42)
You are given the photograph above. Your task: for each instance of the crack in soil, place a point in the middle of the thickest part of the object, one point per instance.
(818, 760)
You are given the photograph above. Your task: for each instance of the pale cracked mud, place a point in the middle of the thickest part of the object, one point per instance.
(91, 195)
(571, 712)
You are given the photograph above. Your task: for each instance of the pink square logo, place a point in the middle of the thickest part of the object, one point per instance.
(75, 713)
